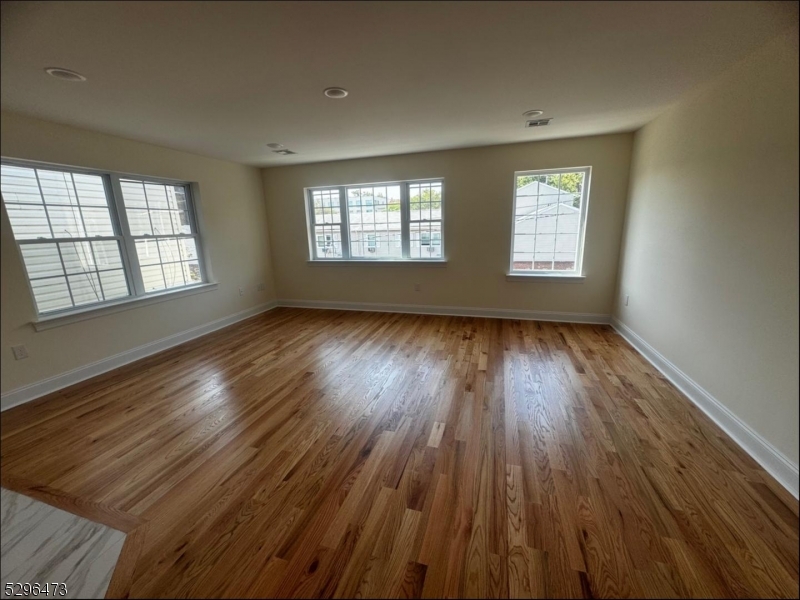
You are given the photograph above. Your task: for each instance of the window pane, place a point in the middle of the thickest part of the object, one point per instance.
(157, 209)
(180, 221)
(57, 187)
(51, 294)
(62, 191)
(77, 257)
(326, 206)
(329, 241)
(547, 221)
(139, 222)
(426, 201)
(147, 251)
(162, 222)
(523, 261)
(133, 194)
(90, 188)
(156, 196)
(28, 221)
(85, 288)
(193, 272)
(177, 194)
(169, 250)
(97, 221)
(543, 254)
(164, 262)
(107, 255)
(524, 245)
(173, 275)
(83, 259)
(66, 221)
(425, 240)
(153, 278)
(114, 284)
(19, 185)
(374, 221)
(425, 212)
(188, 248)
(41, 260)
(161, 210)
(566, 245)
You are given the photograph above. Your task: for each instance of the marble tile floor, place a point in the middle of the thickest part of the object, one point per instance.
(43, 544)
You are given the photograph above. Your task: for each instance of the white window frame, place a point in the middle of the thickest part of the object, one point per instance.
(553, 274)
(122, 234)
(405, 215)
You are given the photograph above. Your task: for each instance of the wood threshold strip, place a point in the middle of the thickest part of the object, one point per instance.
(93, 511)
(122, 579)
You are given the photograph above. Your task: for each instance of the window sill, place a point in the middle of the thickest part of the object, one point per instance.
(545, 277)
(58, 320)
(378, 263)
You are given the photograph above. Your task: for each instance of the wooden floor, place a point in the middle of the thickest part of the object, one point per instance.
(336, 454)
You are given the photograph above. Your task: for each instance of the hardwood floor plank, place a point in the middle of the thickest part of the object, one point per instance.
(395, 582)
(268, 579)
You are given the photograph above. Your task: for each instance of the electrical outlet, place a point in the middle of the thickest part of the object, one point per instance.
(241, 291)
(417, 287)
(260, 287)
(626, 299)
(20, 352)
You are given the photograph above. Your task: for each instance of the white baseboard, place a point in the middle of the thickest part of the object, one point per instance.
(456, 311)
(57, 382)
(764, 453)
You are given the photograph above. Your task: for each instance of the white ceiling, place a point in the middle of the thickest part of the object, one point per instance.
(224, 79)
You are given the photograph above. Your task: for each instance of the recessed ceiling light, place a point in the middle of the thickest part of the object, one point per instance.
(335, 92)
(532, 113)
(65, 74)
(275, 145)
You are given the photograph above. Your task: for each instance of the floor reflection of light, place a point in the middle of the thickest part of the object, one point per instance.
(227, 389)
(221, 389)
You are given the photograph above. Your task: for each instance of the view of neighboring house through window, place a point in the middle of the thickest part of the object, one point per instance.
(374, 222)
(76, 249)
(387, 221)
(160, 225)
(326, 223)
(426, 219)
(549, 221)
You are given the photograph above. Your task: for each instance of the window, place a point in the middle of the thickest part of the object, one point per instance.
(89, 238)
(326, 223)
(549, 221)
(160, 225)
(374, 221)
(386, 221)
(425, 222)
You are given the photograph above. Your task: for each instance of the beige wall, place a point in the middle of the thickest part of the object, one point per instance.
(478, 205)
(235, 223)
(710, 260)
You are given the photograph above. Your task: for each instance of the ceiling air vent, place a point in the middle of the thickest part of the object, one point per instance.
(284, 152)
(537, 122)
